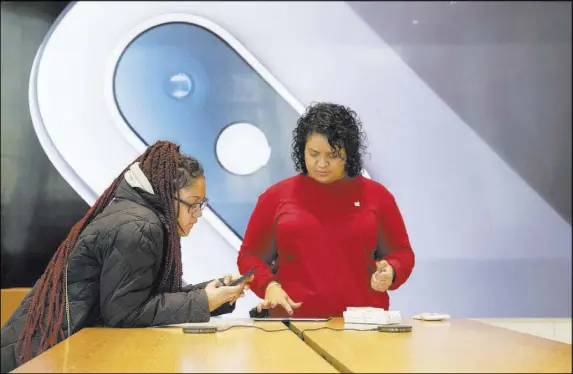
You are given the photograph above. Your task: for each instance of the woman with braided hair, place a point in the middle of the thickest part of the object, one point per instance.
(120, 265)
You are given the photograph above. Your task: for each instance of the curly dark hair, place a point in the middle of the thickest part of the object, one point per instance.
(340, 125)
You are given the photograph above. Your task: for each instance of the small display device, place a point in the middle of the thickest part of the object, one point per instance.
(199, 330)
(236, 282)
(395, 328)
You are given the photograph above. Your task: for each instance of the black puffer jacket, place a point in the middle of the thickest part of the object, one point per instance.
(111, 271)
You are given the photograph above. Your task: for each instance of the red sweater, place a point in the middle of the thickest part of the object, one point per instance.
(325, 239)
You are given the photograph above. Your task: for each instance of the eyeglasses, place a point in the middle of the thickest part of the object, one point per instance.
(195, 206)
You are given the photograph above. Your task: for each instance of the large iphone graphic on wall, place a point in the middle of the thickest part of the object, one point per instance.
(179, 77)
(183, 78)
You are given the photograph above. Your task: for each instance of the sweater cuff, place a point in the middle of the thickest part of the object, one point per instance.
(393, 273)
(396, 267)
(261, 287)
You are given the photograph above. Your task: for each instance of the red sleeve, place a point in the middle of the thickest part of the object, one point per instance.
(257, 251)
(395, 246)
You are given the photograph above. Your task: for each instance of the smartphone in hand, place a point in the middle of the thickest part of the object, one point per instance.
(240, 280)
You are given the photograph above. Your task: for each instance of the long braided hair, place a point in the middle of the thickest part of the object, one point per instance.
(167, 170)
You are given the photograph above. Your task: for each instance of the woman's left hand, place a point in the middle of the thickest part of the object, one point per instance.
(381, 280)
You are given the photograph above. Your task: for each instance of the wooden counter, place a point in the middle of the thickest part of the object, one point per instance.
(457, 345)
(241, 349)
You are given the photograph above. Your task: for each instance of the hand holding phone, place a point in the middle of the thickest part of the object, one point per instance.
(227, 289)
(219, 294)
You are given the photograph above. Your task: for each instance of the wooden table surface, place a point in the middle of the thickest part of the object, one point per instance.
(456, 345)
(246, 350)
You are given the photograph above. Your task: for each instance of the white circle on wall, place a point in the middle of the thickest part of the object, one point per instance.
(242, 148)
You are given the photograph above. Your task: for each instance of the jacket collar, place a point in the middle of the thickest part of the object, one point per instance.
(137, 195)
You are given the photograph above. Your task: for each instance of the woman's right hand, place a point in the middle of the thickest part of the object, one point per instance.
(219, 294)
(275, 295)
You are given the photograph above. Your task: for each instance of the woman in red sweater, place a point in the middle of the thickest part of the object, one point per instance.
(327, 238)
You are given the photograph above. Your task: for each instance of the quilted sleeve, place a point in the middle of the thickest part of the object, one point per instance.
(129, 271)
(199, 286)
